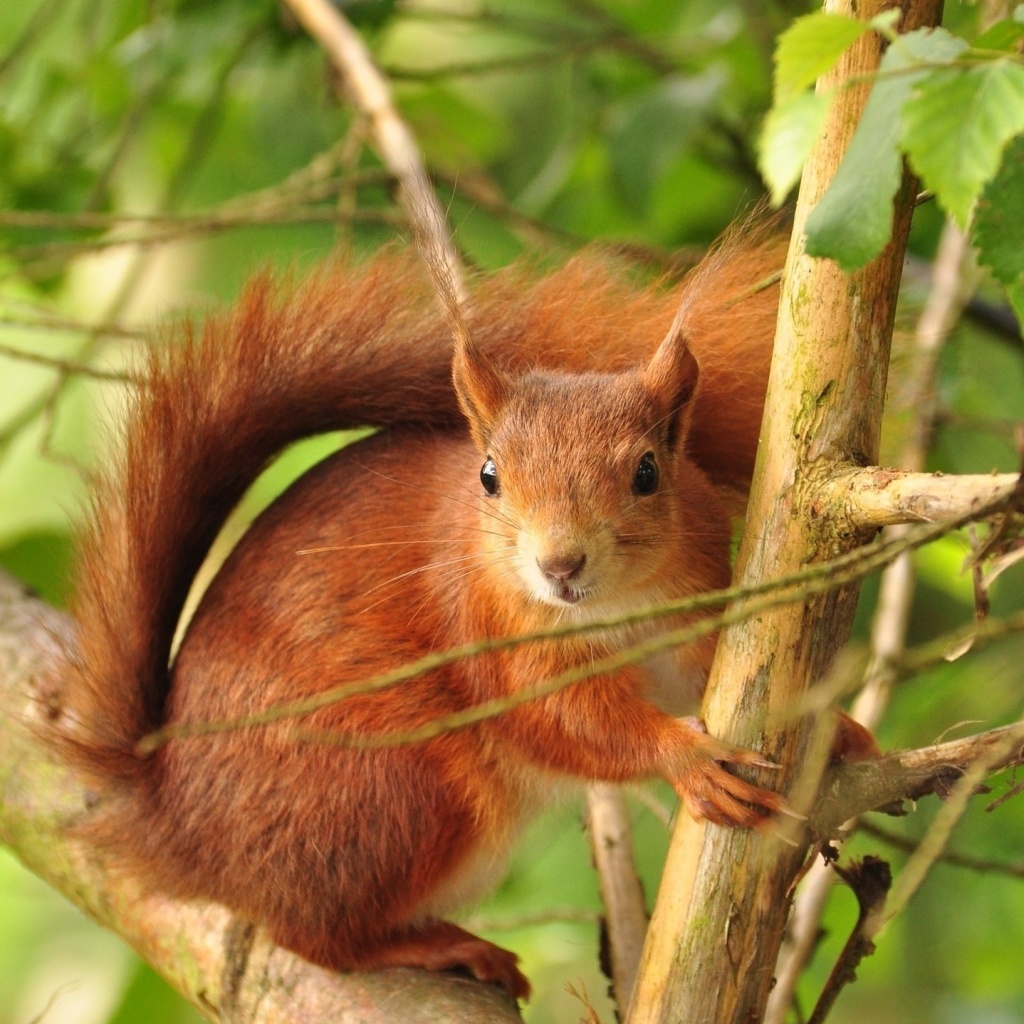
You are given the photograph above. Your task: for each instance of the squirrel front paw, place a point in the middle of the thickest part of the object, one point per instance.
(711, 792)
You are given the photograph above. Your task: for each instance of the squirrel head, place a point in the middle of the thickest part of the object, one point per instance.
(583, 476)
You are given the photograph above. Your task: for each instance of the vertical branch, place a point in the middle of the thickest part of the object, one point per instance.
(949, 291)
(621, 892)
(720, 917)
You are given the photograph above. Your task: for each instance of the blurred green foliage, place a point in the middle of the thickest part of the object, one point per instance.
(546, 123)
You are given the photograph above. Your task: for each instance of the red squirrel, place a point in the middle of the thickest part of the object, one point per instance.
(580, 466)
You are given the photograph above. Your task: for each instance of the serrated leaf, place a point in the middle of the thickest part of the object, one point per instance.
(999, 219)
(957, 125)
(853, 220)
(786, 139)
(999, 225)
(811, 46)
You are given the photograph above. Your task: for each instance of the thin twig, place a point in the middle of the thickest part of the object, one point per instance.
(1000, 753)
(744, 602)
(393, 140)
(204, 224)
(482, 194)
(44, 321)
(67, 366)
(870, 881)
(909, 663)
(983, 865)
(198, 143)
(282, 199)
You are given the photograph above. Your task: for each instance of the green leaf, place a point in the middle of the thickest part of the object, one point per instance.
(853, 221)
(789, 132)
(957, 125)
(999, 222)
(1015, 293)
(811, 46)
(999, 225)
(651, 131)
(1003, 35)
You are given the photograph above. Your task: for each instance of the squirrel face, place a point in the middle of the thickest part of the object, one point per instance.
(579, 479)
(583, 474)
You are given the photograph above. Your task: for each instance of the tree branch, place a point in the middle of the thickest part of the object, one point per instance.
(621, 893)
(215, 961)
(954, 858)
(853, 789)
(948, 293)
(869, 498)
(394, 142)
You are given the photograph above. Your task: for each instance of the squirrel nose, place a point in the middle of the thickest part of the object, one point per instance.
(562, 567)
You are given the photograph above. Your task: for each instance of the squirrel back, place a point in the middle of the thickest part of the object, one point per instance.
(593, 445)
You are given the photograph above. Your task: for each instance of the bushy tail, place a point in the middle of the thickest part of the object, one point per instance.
(346, 348)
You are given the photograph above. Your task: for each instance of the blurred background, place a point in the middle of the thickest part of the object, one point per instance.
(153, 153)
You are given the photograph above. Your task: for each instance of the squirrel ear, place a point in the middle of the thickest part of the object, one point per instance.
(671, 379)
(481, 389)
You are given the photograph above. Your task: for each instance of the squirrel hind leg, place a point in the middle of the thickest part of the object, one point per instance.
(433, 946)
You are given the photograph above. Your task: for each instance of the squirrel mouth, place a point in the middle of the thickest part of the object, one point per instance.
(568, 594)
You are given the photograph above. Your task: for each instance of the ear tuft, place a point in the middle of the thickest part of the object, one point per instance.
(671, 379)
(481, 389)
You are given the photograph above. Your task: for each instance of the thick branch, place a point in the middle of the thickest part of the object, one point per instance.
(870, 498)
(950, 290)
(213, 960)
(851, 789)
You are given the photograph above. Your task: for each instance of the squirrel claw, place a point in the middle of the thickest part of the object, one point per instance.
(712, 793)
(757, 761)
(790, 813)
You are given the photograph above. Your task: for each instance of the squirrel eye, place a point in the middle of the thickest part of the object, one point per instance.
(646, 479)
(489, 476)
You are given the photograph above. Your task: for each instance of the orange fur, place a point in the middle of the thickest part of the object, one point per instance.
(391, 549)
